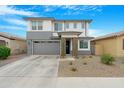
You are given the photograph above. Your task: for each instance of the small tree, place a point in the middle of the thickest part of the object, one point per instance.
(107, 59)
(4, 52)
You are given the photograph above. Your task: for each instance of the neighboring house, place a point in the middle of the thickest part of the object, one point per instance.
(110, 44)
(48, 36)
(16, 44)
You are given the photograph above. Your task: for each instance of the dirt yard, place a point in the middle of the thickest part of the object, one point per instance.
(11, 59)
(90, 66)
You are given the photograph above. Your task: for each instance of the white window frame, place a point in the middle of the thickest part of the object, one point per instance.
(84, 48)
(36, 25)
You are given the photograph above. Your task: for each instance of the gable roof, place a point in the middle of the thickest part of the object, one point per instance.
(116, 34)
(10, 36)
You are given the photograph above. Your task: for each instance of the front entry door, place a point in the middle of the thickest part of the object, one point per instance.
(67, 47)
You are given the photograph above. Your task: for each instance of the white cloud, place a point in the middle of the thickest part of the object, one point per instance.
(31, 8)
(16, 21)
(50, 8)
(11, 28)
(73, 7)
(96, 32)
(4, 10)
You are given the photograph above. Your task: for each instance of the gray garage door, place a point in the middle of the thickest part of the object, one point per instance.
(46, 47)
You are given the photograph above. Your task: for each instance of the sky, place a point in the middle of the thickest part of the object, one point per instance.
(106, 19)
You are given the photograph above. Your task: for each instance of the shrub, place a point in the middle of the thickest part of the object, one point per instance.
(73, 69)
(85, 63)
(4, 52)
(90, 56)
(107, 59)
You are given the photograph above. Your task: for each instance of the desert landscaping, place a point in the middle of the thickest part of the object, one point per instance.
(90, 66)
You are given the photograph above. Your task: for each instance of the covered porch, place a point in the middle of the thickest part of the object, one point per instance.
(69, 43)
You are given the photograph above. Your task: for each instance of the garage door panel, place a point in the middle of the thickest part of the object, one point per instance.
(46, 47)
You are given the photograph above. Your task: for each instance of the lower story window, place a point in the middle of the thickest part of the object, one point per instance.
(83, 44)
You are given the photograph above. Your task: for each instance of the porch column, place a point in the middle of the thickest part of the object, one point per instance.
(75, 47)
(63, 47)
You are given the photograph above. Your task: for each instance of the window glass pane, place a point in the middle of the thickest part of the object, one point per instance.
(34, 25)
(36, 41)
(40, 25)
(83, 44)
(58, 26)
(75, 25)
(42, 41)
(49, 41)
(82, 25)
(67, 25)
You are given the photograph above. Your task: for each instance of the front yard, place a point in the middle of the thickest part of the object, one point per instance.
(90, 66)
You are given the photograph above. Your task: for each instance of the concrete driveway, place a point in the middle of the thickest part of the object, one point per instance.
(33, 71)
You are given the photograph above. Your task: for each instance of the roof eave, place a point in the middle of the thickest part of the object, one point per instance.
(38, 18)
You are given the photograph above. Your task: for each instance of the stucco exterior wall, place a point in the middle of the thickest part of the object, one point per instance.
(6, 40)
(98, 49)
(106, 46)
(18, 46)
(120, 50)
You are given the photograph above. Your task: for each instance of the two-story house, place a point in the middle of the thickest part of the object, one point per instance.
(48, 36)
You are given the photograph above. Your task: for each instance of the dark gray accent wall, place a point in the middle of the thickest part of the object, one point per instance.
(29, 47)
(83, 52)
(39, 35)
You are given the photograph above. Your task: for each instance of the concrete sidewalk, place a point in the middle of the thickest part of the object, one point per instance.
(89, 82)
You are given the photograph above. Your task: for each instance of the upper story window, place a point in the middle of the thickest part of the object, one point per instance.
(40, 25)
(37, 25)
(67, 25)
(58, 26)
(34, 25)
(75, 25)
(82, 25)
